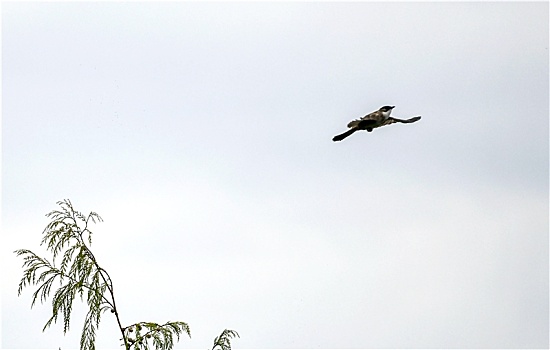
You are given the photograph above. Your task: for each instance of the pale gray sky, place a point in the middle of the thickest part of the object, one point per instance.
(201, 133)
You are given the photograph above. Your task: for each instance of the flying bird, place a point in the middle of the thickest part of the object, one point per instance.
(373, 120)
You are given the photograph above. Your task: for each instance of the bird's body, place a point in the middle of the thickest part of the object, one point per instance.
(373, 120)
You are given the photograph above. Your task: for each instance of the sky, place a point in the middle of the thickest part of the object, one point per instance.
(202, 134)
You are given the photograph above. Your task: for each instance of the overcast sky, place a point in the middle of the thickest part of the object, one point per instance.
(201, 133)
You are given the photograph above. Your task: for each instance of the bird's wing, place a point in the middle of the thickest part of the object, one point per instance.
(388, 121)
(392, 120)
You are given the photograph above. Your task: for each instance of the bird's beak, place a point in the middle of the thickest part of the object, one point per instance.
(392, 107)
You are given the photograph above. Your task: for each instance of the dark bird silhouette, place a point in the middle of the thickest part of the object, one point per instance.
(373, 120)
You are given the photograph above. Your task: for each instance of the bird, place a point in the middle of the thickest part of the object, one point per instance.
(373, 120)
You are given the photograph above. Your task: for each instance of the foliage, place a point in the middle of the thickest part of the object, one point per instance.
(162, 336)
(223, 342)
(68, 237)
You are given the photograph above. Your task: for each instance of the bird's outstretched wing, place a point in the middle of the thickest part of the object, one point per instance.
(392, 120)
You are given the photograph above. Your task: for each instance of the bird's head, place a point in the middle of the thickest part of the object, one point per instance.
(386, 110)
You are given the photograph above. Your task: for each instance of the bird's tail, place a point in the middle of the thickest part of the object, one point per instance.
(344, 135)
